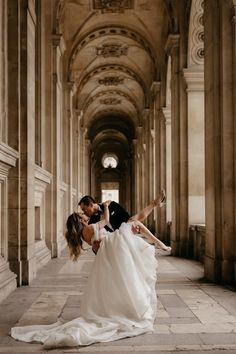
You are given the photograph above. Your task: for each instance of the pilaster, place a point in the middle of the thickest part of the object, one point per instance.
(220, 142)
(179, 229)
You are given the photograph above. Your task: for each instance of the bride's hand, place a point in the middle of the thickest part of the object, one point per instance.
(107, 202)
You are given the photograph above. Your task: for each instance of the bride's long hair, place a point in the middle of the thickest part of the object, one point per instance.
(74, 235)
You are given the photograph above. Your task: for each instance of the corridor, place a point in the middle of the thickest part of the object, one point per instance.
(193, 316)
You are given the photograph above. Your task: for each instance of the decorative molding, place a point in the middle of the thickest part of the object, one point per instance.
(171, 43)
(155, 88)
(110, 100)
(131, 75)
(194, 79)
(145, 113)
(111, 81)
(167, 114)
(196, 34)
(107, 6)
(42, 180)
(88, 102)
(63, 187)
(42, 175)
(115, 30)
(112, 50)
(58, 41)
(8, 155)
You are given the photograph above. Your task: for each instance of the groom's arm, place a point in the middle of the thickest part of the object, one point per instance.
(119, 212)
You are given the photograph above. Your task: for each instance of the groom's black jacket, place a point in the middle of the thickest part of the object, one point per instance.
(117, 215)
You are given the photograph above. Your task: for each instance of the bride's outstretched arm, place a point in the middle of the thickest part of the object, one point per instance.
(106, 216)
(150, 237)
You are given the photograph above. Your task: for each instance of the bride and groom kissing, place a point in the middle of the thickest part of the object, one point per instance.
(120, 298)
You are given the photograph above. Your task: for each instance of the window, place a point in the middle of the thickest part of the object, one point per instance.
(109, 160)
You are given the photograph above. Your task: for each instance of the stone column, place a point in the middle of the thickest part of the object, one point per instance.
(27, 49)
(3, 70)
(71, 137)
(220, 140)
(135, 169)
(167, 116)
(179, 228)
(146, 157)
(8, 245)
(196, 163)
(139, 168)
(234, 113)
(57, 188)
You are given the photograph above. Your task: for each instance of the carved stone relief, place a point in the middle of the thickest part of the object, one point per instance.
(110, 100)
(112, 5)
(196, 34)
(111, 81)
(111, 50)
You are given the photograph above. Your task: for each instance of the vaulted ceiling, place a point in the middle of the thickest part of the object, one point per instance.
(114, 52)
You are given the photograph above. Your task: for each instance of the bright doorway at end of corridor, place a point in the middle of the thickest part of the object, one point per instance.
(110, 191)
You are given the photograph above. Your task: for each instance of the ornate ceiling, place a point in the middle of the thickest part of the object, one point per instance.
(114, 53)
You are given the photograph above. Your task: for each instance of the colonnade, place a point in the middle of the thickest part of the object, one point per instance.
(185, 141)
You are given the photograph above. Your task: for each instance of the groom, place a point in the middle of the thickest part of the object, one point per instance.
(94, 211)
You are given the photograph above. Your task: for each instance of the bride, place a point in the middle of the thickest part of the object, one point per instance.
(120, 298)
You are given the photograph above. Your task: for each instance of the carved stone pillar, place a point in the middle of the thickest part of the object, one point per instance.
(145, 159)
(179, 228)
(56, 149)
(167, 114)
(8, 240)
(139, 168)
(70, 142)
(196, 146)
(87, 174)
(220, 140)
(234, 112)
(135, 163)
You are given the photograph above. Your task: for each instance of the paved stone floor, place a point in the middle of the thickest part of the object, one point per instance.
(193, 316)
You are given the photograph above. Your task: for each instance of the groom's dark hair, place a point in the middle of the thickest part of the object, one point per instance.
(86, 200)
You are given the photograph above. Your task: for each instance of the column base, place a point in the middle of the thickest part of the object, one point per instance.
(61, 245)
(179, 248)
(7, 280)
(28, 270)
(227, 271)
(42, 253)
(212, 269)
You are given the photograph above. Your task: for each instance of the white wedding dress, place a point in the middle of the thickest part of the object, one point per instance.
(120, 298)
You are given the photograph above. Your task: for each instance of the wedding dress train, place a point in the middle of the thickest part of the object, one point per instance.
(119, 300)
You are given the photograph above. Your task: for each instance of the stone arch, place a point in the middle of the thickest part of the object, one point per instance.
(113, 30)
(118, 68)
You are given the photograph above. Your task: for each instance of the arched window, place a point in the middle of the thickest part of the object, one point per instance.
(109, 160)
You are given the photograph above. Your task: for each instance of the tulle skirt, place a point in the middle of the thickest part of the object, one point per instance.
(119, 300)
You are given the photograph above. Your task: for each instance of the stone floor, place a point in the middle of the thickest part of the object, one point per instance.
(193, 316)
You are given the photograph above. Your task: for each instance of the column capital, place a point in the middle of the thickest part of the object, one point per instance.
(145, 113)
(152, 132)
(155, 88)
(70, 85)
(58, 41)
(234, 4)
(171, 43)
(194, 78)
(167, 114)
(139, 130)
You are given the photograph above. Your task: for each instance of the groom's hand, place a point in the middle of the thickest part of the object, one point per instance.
(135, 228)
(96, 246)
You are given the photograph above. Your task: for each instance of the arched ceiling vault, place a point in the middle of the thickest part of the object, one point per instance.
(114, 53)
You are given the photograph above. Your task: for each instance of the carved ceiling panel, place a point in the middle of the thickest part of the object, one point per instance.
(114, 53)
